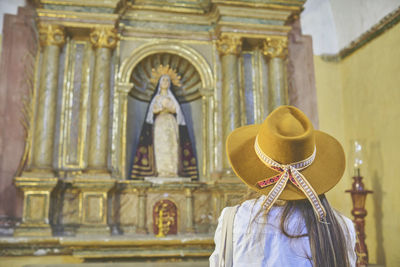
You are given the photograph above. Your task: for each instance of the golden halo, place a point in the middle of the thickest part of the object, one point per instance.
(165, 70)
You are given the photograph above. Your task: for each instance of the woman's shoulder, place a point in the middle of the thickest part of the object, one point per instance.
(257, 204)
(254, 210)
(244, 209)
(346, 223)
(343, 218)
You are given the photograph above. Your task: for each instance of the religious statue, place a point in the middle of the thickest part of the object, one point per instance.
(164, 148)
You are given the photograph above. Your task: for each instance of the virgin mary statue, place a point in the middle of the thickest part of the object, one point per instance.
(164, 148)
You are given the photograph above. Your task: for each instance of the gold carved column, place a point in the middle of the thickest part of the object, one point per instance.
(95, 187)
(275, 49)
(229, 48)
(35, 215)
(37, 187)
(189, 211)
(104, 40)
(119, 127)
(52, 38)
(93, 204)
(131, 206)
(141, 224)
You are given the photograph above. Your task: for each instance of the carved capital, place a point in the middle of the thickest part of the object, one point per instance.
(275, 47)
(188, 192)
(229, 45)
(124, 88)
(104, 37)
(51, 35)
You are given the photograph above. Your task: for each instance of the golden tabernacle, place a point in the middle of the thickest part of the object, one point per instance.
(126, 111)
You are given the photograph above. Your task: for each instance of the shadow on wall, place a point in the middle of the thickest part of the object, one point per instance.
(376, 170)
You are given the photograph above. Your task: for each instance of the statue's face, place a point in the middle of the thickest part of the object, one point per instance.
(164, 82)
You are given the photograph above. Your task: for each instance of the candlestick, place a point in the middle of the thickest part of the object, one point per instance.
(358, 196)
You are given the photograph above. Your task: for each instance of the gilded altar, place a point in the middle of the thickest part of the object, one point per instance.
(90, 88)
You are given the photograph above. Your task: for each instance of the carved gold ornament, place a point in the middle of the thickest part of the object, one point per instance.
(275, 47)
(104, 37)
(229, 45)
(165, 218)
(51, 35)
(165, 70)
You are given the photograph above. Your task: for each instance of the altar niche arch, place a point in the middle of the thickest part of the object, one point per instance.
(134, 90)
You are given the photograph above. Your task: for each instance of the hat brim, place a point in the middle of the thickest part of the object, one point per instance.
(323, 174)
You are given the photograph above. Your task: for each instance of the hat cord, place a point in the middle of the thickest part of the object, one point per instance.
(289, 172)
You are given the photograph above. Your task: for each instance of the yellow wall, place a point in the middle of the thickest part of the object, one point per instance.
(359, 97)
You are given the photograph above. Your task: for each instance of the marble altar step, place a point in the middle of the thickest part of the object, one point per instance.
(102, 249)
(202, 263)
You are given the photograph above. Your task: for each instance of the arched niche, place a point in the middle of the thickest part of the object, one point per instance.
(143, 86)
(191, 55)
(134, 89)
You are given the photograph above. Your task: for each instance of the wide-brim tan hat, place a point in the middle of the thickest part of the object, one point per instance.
(286, 136)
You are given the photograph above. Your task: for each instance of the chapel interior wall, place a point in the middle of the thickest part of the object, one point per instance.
(358, 98)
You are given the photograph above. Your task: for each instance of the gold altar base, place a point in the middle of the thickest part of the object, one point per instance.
(35, 217)
(115, 248)
(32, 230)
(93, 230)
(127, 205)
(93, 204)
(136, 201)
(100, 206)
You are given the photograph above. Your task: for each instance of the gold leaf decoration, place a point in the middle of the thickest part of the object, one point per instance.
(165, 70)
(145, 80)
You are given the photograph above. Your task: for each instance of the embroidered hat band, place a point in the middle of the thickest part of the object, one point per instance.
(289, 172)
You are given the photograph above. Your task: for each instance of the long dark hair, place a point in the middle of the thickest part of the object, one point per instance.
(328, 243)
(327, 240)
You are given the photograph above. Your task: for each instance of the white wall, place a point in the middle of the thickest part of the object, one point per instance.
(334, 24)
(317, 21)
(9, 7)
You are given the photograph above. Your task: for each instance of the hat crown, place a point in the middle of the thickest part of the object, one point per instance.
(287, 135)
(289, 126)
